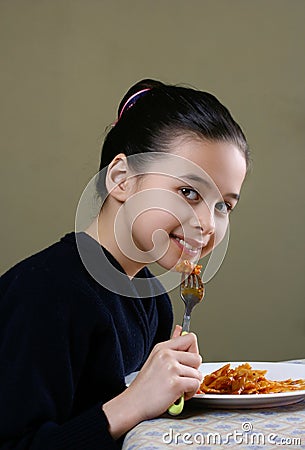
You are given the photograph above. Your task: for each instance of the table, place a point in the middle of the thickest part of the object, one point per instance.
(209, 429)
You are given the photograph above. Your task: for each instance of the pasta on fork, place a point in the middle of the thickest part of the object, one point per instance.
(188, 267)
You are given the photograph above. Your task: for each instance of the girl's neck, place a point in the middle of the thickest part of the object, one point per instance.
(102, 230)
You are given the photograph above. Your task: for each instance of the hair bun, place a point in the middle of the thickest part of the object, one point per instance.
(141, 86)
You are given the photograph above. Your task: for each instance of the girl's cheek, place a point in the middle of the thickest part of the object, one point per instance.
(216, 239)
(221, 227)
(220, 231)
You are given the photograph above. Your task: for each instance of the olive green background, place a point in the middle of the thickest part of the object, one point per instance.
(65, 64)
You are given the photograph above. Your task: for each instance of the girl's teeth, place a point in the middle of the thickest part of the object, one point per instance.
(186, 245)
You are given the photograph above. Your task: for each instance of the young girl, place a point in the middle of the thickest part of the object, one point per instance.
(79, 316)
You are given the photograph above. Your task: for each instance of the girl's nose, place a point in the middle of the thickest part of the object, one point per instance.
(203, 219)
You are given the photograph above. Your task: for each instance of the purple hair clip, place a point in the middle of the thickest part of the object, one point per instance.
(132, 100)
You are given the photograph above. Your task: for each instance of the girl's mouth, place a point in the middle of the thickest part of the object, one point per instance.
(188, 248)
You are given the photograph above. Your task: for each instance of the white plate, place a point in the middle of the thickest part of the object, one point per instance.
(275, 371)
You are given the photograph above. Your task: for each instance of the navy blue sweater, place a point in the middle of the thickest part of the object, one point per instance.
(66, 344)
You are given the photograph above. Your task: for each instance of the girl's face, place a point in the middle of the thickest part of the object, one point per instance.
(179, 209)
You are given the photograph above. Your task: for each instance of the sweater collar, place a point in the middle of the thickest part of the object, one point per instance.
(106, 270)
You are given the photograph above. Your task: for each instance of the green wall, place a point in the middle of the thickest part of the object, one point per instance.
(65, 65)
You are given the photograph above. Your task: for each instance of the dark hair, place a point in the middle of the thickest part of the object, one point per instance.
(150, 121)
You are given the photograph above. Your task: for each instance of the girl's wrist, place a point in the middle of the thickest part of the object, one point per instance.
(121, 415)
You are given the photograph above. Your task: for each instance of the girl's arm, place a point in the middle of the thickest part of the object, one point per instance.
(170, 371)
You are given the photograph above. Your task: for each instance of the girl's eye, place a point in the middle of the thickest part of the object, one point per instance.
(223, 207)
(190, 194)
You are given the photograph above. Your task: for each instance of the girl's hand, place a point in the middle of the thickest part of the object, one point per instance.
(170, 371)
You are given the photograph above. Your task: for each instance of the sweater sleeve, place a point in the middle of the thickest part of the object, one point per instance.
(42, 355)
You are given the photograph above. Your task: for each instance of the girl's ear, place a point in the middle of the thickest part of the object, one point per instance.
(117, 178)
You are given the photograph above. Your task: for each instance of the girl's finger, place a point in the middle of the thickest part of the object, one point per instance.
(194, 385)
(189, 359)
(177, 331)
(188, 387)
(186, 343)
(190, 372)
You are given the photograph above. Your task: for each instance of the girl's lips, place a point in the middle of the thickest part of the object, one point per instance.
(189, 246)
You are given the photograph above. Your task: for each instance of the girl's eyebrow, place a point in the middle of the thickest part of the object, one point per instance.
(197, 179)
(207, 183)
(236, 196)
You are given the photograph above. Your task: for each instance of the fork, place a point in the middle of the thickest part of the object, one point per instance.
(192, 293)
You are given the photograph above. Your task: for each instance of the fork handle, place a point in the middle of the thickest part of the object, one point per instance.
(176, 408)
(186, 324)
